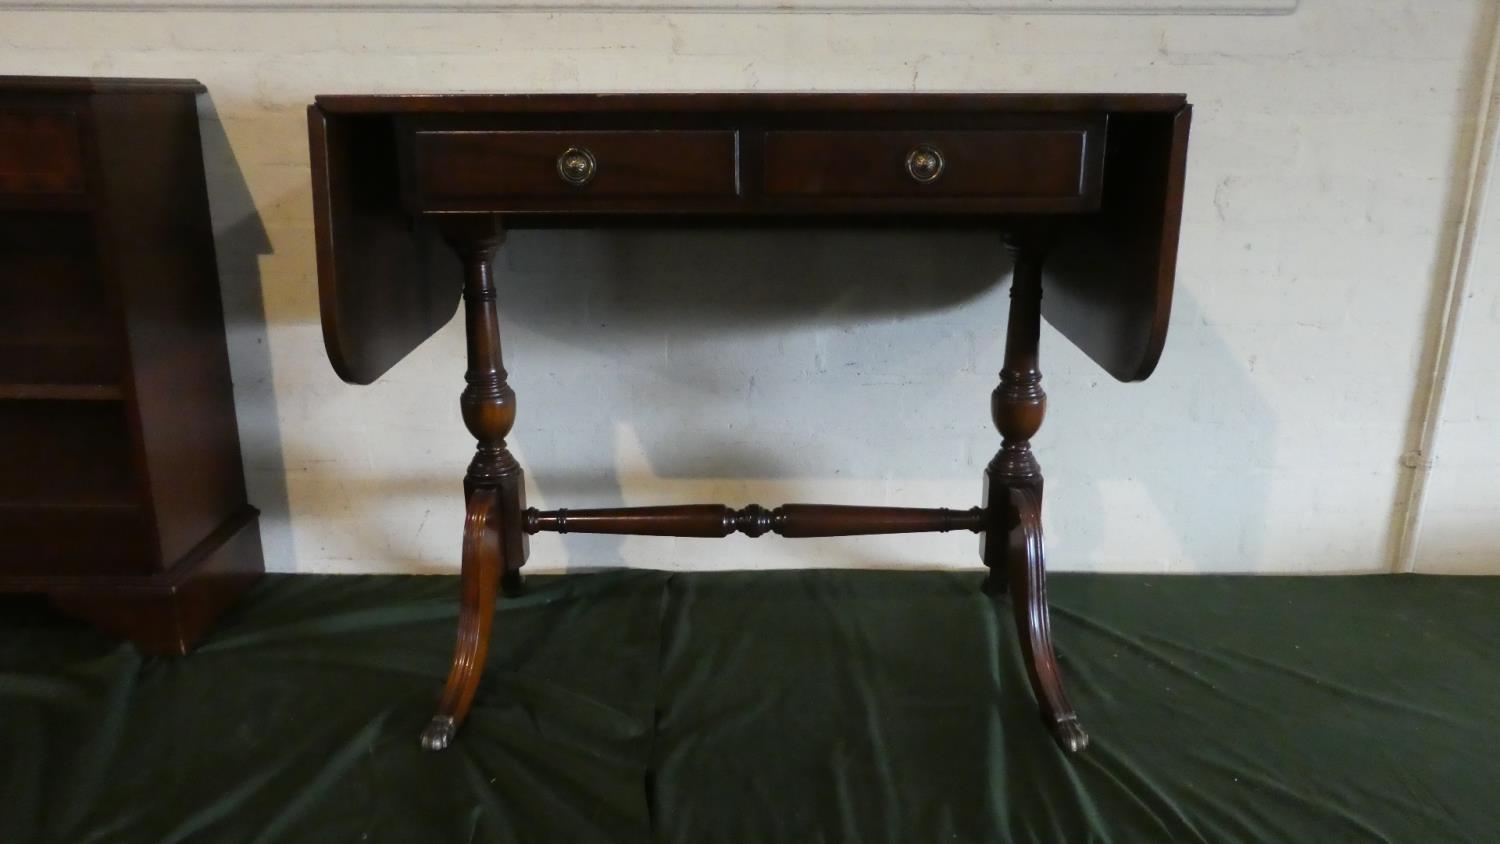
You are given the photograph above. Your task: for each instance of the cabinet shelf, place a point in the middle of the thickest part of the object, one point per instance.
(61, 392)
(61, 360)
(46, 203)
(77, 504)
(66, 453)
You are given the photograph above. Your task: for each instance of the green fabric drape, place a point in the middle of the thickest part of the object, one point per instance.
(806, 706)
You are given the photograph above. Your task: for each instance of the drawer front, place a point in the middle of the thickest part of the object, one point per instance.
(40, 152)
(1032, 164)
(476, 166)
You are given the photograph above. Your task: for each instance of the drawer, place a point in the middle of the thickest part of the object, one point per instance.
(40, 152)
(1059, 164)
(561, 165)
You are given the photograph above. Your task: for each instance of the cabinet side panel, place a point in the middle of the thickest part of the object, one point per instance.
(156, 226)
(1108, 283)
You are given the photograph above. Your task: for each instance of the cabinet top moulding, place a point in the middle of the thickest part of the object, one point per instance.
(96, 85)
(61, 392)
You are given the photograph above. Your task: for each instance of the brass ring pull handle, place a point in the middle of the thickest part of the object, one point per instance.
(577, 166)
(924, 163)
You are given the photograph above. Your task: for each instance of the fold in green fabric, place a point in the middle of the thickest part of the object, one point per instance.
(807, 706)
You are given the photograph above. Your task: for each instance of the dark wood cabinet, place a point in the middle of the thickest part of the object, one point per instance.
(122, 495)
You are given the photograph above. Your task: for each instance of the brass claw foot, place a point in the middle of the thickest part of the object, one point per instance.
(439, 732)
(1069, 733)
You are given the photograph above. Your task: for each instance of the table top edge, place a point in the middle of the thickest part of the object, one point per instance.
(537, 103)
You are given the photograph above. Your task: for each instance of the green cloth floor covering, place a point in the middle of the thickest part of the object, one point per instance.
(808, 706)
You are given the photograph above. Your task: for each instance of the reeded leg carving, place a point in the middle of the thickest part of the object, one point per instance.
(481, 565)
(1027, 574)
(494, 541)
(1013, 549)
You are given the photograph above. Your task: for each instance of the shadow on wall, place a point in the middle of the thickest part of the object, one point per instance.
(1192, 449)
(742, 350)
(240, 239)
(750, 366)
(710, 315)
(741, 365)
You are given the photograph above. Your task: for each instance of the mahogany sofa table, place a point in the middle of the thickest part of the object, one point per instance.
(414, 195)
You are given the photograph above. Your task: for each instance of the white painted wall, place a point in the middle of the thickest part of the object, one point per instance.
(1322, 192)
(1459, 528)
(1460, 532)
